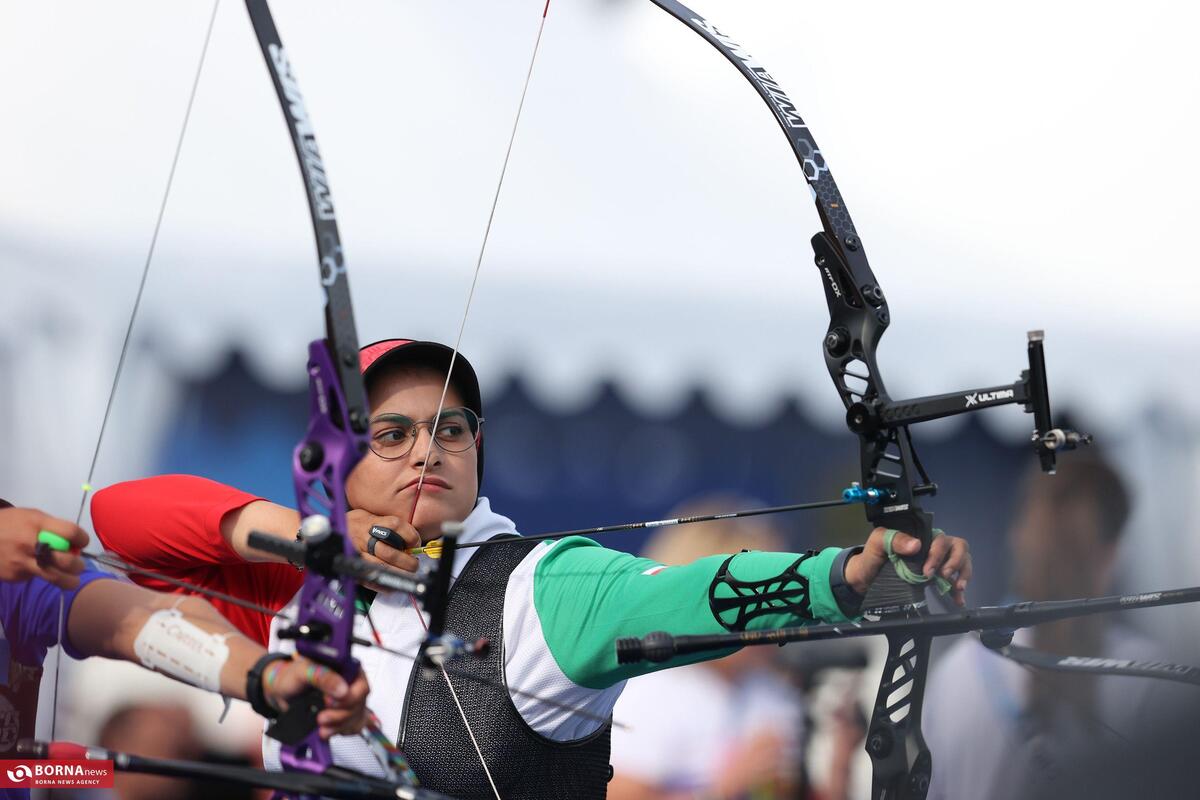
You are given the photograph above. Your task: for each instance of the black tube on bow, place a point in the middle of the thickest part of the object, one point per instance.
(439, 594)
(338, 564)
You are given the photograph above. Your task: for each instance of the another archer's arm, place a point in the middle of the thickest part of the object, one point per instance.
(177, 521)
(188, 640)
(191, 529)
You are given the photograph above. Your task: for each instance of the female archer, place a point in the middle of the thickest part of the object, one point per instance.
(531, 719)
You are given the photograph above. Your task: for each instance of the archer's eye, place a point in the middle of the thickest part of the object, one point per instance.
(451, 430)
(391, 436)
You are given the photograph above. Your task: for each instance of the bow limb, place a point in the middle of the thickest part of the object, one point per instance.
(1088, 665)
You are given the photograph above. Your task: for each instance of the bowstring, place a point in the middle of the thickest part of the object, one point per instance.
(128, 338)
(487, 230)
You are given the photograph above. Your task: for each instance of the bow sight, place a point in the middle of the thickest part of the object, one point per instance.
(872, 416)
(859, 315)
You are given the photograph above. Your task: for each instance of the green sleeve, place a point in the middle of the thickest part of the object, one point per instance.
(587, 596)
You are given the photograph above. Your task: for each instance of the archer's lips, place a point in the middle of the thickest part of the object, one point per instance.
(430, 484)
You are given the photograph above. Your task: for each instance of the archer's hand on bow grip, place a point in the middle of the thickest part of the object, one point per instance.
(311, 695)
(948, 559)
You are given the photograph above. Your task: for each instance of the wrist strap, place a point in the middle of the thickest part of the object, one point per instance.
(254, 687)
(848, 599)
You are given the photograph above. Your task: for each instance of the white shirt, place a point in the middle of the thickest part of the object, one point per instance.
(974, 705)
(684, 723)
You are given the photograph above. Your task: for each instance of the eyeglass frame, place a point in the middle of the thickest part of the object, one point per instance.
(430, 422)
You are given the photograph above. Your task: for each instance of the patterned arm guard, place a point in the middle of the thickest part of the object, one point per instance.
(736, 602)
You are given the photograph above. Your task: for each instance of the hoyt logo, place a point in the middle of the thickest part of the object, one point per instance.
(781, 101)
(975, 398)
(833, 284)
(314, 168)
(811, 159)
(56, 774)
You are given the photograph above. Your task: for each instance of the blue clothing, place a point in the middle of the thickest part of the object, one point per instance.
(29, 627)
(29, 617)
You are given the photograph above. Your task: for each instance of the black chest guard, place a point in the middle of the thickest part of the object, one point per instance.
(524, 764)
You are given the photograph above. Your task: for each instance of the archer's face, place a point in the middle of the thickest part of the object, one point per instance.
(389, 487)
(1058, 550)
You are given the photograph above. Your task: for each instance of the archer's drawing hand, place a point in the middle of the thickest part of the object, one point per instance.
(949, 557)
(345, 703)
(19, 528)
(378, 551)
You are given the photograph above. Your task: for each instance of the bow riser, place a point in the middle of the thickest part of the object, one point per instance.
(901, 765)
(320, 465)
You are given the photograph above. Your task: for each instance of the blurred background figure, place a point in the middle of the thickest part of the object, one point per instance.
(163, 730)
(729, 728)
(1001, 731)
(156, 730)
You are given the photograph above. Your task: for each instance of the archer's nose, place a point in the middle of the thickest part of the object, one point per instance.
(424, 451)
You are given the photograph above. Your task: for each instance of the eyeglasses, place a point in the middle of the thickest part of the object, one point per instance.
(393, 435)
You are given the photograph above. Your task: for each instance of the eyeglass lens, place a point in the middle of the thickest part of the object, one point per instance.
(393, 435)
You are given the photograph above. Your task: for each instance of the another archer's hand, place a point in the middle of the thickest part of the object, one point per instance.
(19, 555)
(378, 551)
(949, 557)
(345, 703)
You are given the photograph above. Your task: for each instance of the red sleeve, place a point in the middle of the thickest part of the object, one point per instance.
(172, 524)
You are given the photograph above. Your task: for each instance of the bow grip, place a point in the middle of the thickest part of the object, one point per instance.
(300, 720)
(889, 592)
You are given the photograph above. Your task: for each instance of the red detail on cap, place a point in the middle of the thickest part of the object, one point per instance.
(372, 353)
